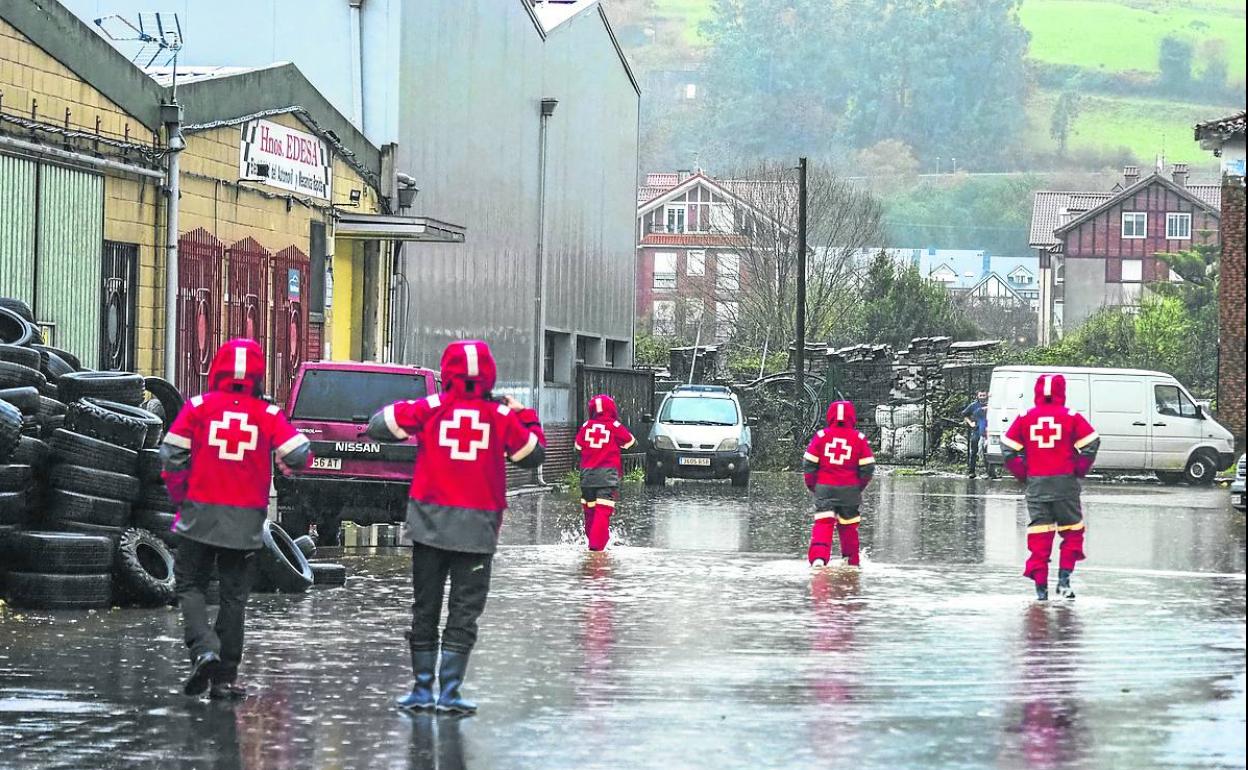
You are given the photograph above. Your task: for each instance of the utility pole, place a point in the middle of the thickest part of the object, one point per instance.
(799, 356)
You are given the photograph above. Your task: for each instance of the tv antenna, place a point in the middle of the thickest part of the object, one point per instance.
(159, 35)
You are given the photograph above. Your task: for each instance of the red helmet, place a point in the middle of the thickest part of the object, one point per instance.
(1051, 389)
(238, 366)
(603, 405)
(842, 413)
(468, 368)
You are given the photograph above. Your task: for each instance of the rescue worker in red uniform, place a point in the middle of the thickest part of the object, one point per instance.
(838, 465)
(600, 441)
(455, 510)
(217, 461)
(1051, 447)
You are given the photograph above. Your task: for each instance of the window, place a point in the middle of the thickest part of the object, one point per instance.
(588, 350)
(1179, 227)
(691, 90)
(727, 272)
(1132, 270)
(695, 263)
(722, 219)
(676, 219)
(725, 319)
(617, 354)
(664, 317)
(694, 310)
(696, 410)
(665, 270)
(557, 358)
(1173, 402)
(1134, 224)
(333, 395)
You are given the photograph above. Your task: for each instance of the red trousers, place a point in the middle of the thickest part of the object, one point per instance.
(1048, 520)
(846, 521)
(598, 505)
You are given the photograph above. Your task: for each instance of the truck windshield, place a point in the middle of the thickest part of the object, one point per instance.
(334, 395)
(699, 411)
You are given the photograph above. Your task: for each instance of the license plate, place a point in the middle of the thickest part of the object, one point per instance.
(1237, 499)
(327, 463)
(704, 461)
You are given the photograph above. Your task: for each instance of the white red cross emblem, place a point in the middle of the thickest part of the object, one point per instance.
(233, 435)
(837, 451)
(597, 436)
(464, 434)
(1045, 432)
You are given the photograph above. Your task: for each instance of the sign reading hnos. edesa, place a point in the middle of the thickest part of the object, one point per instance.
(296, 161)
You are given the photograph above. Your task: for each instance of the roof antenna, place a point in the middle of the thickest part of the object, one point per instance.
(158, 34)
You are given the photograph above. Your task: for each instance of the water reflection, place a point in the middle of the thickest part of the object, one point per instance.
(436, 742)
(1050, 727)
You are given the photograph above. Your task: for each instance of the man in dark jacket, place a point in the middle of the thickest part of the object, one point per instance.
(976, 416)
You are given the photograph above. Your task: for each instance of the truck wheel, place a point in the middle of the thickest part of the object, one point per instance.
(655, 479)
(741, 479)
(1200, 471)
(1170, 478)
(144, 572)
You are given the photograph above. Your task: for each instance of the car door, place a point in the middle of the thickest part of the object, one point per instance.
(1121, 414)
(1176, 426)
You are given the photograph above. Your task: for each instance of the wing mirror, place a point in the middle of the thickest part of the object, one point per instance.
(647, 418)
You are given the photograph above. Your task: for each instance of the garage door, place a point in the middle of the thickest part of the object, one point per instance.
(71, 241)
(17, 228)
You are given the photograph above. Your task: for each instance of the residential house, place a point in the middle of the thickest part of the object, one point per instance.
(1099, 249)
(1225, 137)
(969, 272)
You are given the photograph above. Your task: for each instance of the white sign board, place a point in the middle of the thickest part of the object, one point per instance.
(294, 160)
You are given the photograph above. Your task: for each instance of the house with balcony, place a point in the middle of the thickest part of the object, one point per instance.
(1099, 249)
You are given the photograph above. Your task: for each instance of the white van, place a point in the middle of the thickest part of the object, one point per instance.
(1147, 421)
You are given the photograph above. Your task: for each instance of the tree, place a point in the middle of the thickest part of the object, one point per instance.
(1213, 75)
(1174, 59)
(1008, 320)
(899, 304)
(759, 222)
(1064, 113)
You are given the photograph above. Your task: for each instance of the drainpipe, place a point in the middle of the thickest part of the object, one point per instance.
(171, 114)
(357, 66)
(539, 316)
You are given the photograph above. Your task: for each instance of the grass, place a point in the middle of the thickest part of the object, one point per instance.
(1115, 36)
(1145, 126)
(686, 15)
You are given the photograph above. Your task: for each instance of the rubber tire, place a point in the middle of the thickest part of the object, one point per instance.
(1200, 471)
(741, 479)
(38, 590)
(306, 544)
(13, 506)
(281, 563)
(17, 376)
(168, 395)
(76, 449)
(10, 431)
(655, 479)
(93, 481)
(155, 497)
(159, 523)
(54, 367)
(144, 573)
(19, 306)
(14, 330)
(51, 425)
(15, 478)
(61, 553)
(123, 387)
(64, 355)
(149, 466)
(1170, 478)
(125, 426)
(326, 573)
(112, 534)
(25, 399)
(19, 355)
(76, 508)
(33, 452)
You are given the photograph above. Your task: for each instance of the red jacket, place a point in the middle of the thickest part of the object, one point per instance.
(838, 455)
(1050, 439)
(218, 454)
(459, 485)
(602, 438)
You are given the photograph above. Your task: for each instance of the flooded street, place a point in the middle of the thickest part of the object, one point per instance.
(702, 640)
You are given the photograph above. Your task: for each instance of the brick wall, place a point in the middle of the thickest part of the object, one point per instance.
(1231, 300)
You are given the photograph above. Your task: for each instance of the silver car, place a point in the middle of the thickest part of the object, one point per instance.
(700, 433)
(1237, 486)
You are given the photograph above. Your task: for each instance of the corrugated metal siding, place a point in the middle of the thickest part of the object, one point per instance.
(17, 228)
(71, 239)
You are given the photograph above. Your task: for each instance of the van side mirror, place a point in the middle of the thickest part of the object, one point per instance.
(647, 418)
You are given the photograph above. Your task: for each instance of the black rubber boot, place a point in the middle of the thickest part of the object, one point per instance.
(227, 691)
(450, 678)
(1063, 585)
(202, 672)
(1042, 592)
(421, 696)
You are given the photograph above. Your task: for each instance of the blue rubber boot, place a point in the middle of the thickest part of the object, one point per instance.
(450, 679)
(421, 696)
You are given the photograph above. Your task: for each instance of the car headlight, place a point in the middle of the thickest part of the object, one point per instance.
(729, 445)
(664, 442)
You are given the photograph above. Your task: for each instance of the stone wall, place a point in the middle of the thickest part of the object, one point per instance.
(1231, 310)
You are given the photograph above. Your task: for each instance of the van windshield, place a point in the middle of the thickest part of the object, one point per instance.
(334, 395)
(699, 411)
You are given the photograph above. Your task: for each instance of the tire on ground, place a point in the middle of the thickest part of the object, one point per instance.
(113, 534)
(149, 466)
(124, 387)
(326, 573)
(116, 423)
(17, 376)
(19, 306)
(54, 367)
(64, 355)
(76, 508)
(10, 430)
(93, 481)
(156, 498)
(14, 329)
(306, 544)
(281, 561)
(62, 553)
(25, 399)
(31, 451)
(20, 355)
(144, 570)
(159, 523)
(77, 449)
(40, 590)
(168, 395)
(15, 478)
(13, 507)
